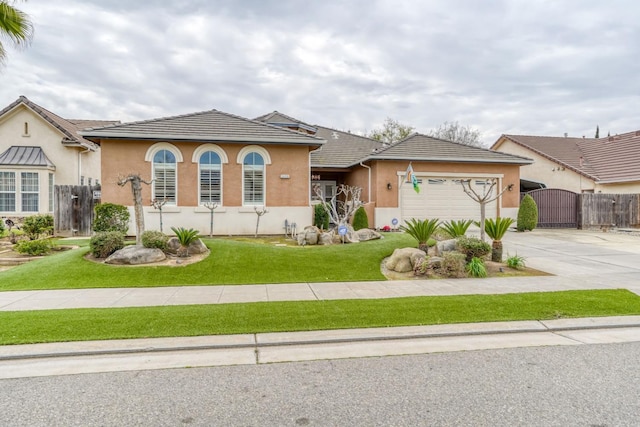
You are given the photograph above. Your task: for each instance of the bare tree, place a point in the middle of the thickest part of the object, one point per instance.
(136, 190)
(343, 204)
(483, 199)
(454, 131)
(391, 131)
(211, 206)
(158, 204)
(259, 211)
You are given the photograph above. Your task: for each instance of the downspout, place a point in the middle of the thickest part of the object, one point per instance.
(369, 172)
(80, 153)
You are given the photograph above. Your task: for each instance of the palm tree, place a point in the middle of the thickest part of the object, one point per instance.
(496, 229)
(15, 25)
(421, 230)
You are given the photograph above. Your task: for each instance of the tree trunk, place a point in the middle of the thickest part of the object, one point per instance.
(496, 251)
(482, 217)
(136, 188)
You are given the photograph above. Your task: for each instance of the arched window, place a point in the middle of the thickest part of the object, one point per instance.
(210, 178)
(164, 176)
(253, 179)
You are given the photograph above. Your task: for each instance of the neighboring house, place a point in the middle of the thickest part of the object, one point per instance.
(580, 165)
(39, 149)
(275, 161)
(380, 170)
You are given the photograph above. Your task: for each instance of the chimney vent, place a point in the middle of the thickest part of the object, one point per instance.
(566, 134)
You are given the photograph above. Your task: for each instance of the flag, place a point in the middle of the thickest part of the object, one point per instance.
(411, 177)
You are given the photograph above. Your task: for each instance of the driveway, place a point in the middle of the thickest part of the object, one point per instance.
(608, 258)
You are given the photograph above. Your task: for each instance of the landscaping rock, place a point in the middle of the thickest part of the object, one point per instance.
(135, 255)
(365, 234)
(401, 260)
(309, 236)
(326, 239)
(445, 246)
(196, 247)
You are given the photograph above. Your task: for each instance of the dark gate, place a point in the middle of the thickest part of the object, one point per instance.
(556, 208)
(73, 213)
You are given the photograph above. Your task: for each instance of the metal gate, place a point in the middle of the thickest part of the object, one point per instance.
(73, 213)
(556, 208)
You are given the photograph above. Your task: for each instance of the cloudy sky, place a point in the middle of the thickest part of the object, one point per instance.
(521, 67)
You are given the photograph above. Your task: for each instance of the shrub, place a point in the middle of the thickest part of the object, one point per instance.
(105, 243)
(185, 237)
(421, 230)
(452, 264)
(111, 217)
(154, 239)
(473, 247)
(422, 268)
(516, 262)
(320, 216)
(34, 247)
(476, 268)
(527, 214)
(456, 228)
(360, 219)
(2, 227)
(36, 225)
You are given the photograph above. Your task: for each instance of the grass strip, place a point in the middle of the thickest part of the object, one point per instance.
(230, 263)
(145, 322)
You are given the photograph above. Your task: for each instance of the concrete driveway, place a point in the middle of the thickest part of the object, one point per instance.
(605, 257)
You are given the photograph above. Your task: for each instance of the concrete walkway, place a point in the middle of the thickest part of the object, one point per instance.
(579, 260)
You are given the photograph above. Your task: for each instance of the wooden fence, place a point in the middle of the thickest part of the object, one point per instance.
(609, 210)
(73, 213)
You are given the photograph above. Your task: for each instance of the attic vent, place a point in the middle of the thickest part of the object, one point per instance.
(335, 135)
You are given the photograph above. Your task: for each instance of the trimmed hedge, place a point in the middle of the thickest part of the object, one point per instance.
(527, 214)
(360, 219)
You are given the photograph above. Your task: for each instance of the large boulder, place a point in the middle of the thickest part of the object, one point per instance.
(365, 234)
(196, 247)
(446, 246)
(135, 255)
(309, 236)
(326, 239)
(403, 260)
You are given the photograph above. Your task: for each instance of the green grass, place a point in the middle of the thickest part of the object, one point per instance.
(118, 323)
(230, 262)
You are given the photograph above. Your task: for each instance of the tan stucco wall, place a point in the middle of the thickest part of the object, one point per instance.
(387, 172)
(68, 167)
(120, 158)
(624, 188)
(546, 171)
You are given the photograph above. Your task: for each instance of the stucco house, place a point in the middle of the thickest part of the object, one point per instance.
(274, 162)
(38, 150)
(580, 165)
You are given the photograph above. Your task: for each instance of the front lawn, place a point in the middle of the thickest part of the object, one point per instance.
(146, 322)
(230, 262)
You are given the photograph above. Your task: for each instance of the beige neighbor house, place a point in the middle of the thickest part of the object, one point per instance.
(38, 150)
(581, 165)
(274, 162)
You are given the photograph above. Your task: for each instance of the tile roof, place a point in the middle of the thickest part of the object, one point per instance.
(25, 156)
(211, 126)
(607, 160)
(69, 128)
(343, 149)
(419, 147)
(277, 118)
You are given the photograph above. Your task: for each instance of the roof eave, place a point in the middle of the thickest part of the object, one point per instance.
(522, 161)
(203, 138)
(618, 181)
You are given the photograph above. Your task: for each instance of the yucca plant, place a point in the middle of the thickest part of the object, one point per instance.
(496, 229)
(456, 228)
(421, 230)
(185, 237)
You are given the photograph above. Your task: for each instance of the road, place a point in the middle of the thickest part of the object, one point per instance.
(586, 385)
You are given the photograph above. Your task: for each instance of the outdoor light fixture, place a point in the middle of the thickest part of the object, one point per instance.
(388, 186)
(510, 187)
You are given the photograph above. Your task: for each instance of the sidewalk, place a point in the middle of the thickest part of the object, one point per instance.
(579, 260)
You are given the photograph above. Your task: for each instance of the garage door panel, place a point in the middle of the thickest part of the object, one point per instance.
(443, 198)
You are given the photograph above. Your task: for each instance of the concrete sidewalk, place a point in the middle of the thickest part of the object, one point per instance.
(579, 260)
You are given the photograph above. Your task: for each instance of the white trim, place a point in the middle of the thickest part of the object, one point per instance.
(209, 147)
(471, 175)
(151, 151)
(253, 148)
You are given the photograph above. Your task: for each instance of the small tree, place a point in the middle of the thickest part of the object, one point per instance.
(259, 212)
(421, 230)
(320, 217)
(454, 131)
(483, 198)
(360, 219)
(391, 131)
(527, 214)
(343, 204)
(136, 191)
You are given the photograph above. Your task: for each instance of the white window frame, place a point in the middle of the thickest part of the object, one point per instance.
(197, 154)
(6, 189)
(149, 157)
(266, 159)
(27, 189)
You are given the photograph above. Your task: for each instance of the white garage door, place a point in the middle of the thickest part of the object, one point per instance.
(443, 198)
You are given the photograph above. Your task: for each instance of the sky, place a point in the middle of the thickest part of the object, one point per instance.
(501, 67)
